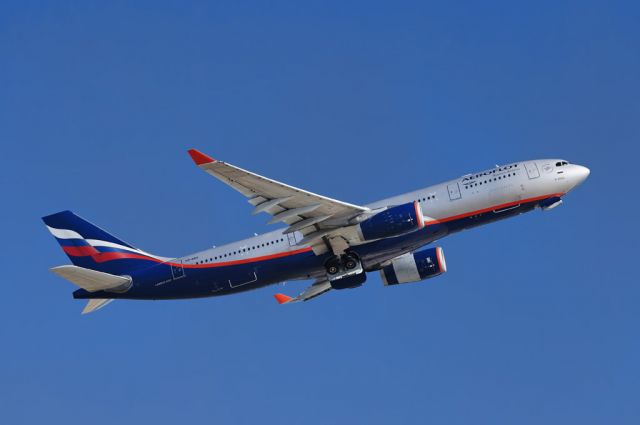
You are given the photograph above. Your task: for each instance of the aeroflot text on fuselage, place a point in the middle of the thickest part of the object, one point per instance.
(496, 170)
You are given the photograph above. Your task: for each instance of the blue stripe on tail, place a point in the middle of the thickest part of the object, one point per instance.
(69, 221)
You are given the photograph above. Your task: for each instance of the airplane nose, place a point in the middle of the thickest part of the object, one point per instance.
(581, 174)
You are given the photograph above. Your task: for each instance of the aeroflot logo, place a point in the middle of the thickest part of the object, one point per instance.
(498, 170)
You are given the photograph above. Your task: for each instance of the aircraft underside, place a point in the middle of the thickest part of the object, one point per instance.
(197, 283)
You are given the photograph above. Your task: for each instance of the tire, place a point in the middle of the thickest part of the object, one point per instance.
(350, 263)
(333, 266)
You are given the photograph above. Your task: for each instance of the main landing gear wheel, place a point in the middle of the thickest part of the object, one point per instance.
(333, 266)
(350, 262)
(342, 267)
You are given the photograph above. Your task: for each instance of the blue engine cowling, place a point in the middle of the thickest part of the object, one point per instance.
(393, 221)
(414, 267)
(352, 281)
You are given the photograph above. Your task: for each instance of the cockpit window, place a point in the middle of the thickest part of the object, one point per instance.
(561, 163)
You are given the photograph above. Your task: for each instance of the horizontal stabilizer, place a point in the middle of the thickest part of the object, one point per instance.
(92, 280)
(95, 304)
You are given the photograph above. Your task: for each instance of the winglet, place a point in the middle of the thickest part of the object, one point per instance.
(199, 158)
(282, 298)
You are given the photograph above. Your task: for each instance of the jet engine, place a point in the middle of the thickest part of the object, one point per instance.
(414, 267)
(393, 221)
(348, 282)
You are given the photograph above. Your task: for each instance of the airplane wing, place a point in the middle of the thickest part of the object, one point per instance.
(311, 214)
(319, 287)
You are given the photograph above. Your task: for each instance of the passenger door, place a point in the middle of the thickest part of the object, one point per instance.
(532, 170)
(454, 191)
(177, 271)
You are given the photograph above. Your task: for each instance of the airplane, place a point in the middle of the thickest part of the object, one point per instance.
(332, 242)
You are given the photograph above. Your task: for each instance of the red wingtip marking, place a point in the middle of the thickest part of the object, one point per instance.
(199, 158)
(282, 298)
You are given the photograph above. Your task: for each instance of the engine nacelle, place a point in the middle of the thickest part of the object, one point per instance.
(414, 267)
(348, 282)
(393, 221)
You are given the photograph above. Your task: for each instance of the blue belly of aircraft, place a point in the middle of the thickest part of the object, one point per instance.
(166, 281)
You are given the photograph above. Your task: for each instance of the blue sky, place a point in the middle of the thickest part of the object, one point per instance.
(536, 320)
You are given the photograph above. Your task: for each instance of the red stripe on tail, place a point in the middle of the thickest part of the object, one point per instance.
(80, 251)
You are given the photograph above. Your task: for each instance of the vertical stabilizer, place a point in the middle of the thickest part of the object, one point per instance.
(90, 247)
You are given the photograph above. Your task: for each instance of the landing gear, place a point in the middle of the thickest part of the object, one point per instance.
(350, 262)
(340, 267)
(333, 266)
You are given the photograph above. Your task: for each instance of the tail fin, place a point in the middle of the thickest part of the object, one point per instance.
(90, 247)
